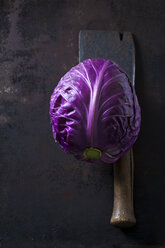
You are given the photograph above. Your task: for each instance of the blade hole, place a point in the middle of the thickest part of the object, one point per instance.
(121, 36)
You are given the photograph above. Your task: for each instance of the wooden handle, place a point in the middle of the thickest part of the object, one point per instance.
(123, 211)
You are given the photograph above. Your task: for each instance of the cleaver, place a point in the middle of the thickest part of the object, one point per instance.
(118, 47)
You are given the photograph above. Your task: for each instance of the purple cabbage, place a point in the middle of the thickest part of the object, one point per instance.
(94, 112)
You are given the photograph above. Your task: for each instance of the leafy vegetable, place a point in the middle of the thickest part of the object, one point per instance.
(94, 111)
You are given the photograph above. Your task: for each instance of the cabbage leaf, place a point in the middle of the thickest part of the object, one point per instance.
(94, 111)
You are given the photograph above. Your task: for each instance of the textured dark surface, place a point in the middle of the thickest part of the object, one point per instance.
(47, 198)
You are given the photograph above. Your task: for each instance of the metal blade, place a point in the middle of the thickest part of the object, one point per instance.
(109, 45)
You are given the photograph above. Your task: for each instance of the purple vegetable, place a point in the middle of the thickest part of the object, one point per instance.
(94, 111)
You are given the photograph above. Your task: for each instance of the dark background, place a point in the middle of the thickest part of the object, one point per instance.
(47, 198)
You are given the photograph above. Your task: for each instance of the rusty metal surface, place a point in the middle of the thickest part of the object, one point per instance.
(48, 199)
